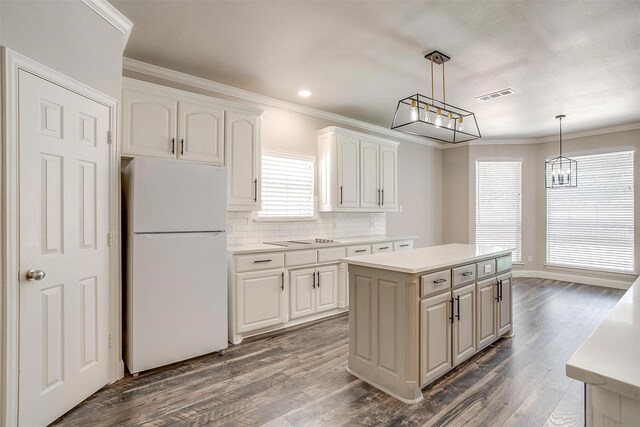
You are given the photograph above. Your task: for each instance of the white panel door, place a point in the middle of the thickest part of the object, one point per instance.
(302, 286)
(464, 337)
(505, 315)
(243, 161)
(148, 124)
(260, 299)
(369, 177)
(435, 337)
(326, 288)
(64, 190)
(487, 312)
(388, 174)
(348, 161)
(200, 133)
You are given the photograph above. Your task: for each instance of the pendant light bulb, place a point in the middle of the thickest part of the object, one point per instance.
(438, 117)
(414, 110)
(460, 124)
(452, 123)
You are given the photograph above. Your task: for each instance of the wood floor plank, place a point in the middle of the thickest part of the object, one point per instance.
(298, 377)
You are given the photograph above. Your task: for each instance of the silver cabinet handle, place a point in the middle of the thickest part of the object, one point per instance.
(32, 274)
(258, 261)
(383, 247)
(404, 246)
(439, 281)
(361, 250)
(467, 273)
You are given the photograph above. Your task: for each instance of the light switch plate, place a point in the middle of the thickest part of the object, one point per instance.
(487, 268)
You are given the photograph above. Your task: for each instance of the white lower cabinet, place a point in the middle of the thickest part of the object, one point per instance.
(260, 299)
(487, 324)
(313, 290)
(464, 323)
(435, 337)
(505, 306)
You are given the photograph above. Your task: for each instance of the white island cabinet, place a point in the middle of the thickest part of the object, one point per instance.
(608, 363)
(417, 314)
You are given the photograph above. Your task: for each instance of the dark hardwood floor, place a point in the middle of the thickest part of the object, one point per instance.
(298, 377)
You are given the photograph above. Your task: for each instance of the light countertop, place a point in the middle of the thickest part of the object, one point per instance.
(347, 241)
(610, 357)
(429, 258)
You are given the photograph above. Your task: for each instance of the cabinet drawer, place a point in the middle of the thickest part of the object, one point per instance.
(403, 246)
(294, 258)
(331, 254)
(259, 262)
(463, 275)
(435, 282)
(381, 247)
(486, 268)
(358, 250)
(504, 263)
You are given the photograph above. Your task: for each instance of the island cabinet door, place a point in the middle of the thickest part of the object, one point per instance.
(302, 285)
(505, 304)
(435, 337)
(326, 288)
(260, 299)
(464, 323)
(487, 324)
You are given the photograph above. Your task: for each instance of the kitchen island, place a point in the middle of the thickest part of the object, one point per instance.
(607, 363)
(414, 315)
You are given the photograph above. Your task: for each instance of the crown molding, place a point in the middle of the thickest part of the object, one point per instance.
(592, 132)
(112, 16)
(221, 88)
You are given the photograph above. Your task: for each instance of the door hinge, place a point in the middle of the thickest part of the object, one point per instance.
(109, 340)
(108, 239)
(109, 140)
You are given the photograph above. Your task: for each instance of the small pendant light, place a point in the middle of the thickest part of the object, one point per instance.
(561, 171)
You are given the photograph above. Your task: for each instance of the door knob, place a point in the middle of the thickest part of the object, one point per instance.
(35, 275)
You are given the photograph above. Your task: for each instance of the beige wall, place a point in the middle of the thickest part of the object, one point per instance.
(533, 192)
(67, 36)
(419, 166)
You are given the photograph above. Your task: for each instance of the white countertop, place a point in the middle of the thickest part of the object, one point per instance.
(347, 241)
(429, 258)
(610, 357)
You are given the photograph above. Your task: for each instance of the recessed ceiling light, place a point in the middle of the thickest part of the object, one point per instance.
(304, 93)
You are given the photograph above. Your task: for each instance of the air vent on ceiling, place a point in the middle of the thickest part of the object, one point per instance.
(494, 95)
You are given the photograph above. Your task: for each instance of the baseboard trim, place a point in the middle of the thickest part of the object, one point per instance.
(586, 280)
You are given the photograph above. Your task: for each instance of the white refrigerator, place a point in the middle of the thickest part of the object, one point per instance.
(176, 270)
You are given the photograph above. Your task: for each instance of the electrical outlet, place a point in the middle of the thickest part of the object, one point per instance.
(400, 208)
(529, 258)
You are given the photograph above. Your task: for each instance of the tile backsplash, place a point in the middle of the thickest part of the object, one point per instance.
(244, 229)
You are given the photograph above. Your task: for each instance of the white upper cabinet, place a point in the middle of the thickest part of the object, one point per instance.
(200, 133)
(243, 161)
(356, 172)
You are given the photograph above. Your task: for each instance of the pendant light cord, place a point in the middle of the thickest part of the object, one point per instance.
(444, 94)
(431, 59)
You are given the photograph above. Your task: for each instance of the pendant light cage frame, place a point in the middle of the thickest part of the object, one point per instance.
(560, 171)
(431, 118)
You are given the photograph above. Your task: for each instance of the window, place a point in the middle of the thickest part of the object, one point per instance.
(287, 186)
(591, 226)
(499, 205)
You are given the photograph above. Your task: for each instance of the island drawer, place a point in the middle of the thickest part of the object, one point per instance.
(358, 250)
(381, 247)
(463, 275)
(259, 262)
(403, 246)
(330, 254)
(504, 264)
(294, 258)
(435, 282)
(485, 268)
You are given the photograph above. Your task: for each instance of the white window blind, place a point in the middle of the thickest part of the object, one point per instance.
(499, 205)
(287, 187)
(591, 226)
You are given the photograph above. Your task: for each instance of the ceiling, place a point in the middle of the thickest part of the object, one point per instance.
(358, 58)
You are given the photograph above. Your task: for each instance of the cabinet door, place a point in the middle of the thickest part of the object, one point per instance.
(487, 324)
(388, 174)
(435, 337)
(260, 299)
(327, 288)
(200, 133)
(505, 312)
(148, 124)
(369, 176)
(302, 285)
(348, 164)
(243, 161)
(464, 341)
